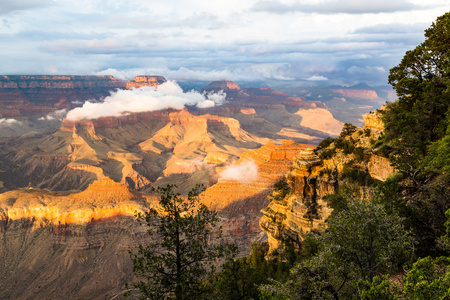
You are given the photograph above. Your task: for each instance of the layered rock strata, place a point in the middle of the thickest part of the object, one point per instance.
(145, 80)
(54, 245)
(38, 95)
(304, 209)
(239, 201)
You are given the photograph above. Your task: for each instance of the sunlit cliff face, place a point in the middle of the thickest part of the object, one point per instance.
(102, 200)
(252, 176)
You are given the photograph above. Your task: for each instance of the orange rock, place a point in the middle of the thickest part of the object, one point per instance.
(140, 81)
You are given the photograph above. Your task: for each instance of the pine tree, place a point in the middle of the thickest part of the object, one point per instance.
(179, 256)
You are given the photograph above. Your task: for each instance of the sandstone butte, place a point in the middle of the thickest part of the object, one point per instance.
(103, 199)
(145, 80)
(293, 216)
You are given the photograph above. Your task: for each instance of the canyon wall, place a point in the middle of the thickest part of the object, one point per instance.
(304, 208)
(22, 95)
(61, 245)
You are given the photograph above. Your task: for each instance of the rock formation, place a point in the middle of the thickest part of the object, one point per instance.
(22, 95)
(145, 80)
(373, 120)
(304, 208)
(239, 202)
(55, 244)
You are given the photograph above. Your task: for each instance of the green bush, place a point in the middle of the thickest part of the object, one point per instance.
(355, 175)
(327, 153)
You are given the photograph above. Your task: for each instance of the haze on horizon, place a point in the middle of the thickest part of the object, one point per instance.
(289, 42)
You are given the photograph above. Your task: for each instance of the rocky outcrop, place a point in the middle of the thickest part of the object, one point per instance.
(380, 167)
(222, 86)
(145, 80)
(348, 159)
(320, 119)
(304, 209)
(243, 199)
(272, 161)
(102, 199)
(373, 119)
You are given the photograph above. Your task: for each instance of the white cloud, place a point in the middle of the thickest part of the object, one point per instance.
(335, 6)
(245, 171)
(9, 122)
(166, 95)
(56, 115)
(244, 72)
(317, 78)
(205, 41)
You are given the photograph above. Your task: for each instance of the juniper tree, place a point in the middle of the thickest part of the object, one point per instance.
(179, 255)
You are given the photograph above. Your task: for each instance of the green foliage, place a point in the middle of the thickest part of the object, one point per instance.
(327, 153)
(428, 279)
(422, 82)
(236, 280)
(438, 162)
(388, 194)
(347, 145)
(178, 258)
(280, 190)
(355, 175)
(367, 132)
(361, 242)
(339, 201)
(446, 237)
(366, 237)
(381, 288)
(317, 278)
(347, 130)
(359, 154)
(325, 143)
(241, 277)
(310, 246)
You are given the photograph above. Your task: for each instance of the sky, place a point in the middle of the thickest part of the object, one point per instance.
(290, 42)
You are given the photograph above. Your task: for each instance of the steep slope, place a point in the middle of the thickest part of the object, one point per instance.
(54, 245)
(345, 160)
(137, 150)
(240, 199)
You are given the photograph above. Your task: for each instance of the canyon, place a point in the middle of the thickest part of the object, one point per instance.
(56, 243)
(23, 95)
(71, 188)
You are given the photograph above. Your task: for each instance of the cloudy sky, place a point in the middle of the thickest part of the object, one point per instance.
(288, 41)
